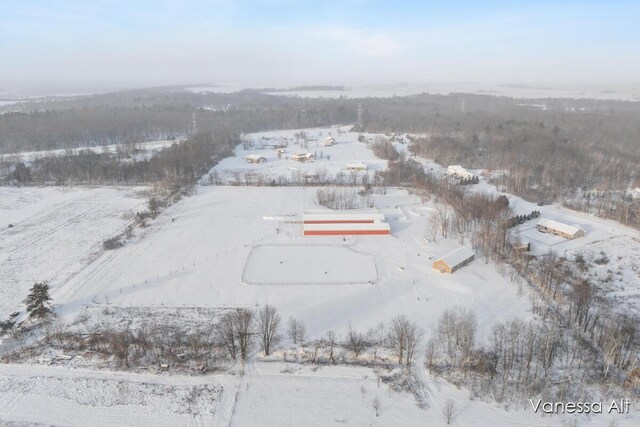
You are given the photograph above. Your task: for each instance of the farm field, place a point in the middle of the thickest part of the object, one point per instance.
(53, 233)
(243, 246)
(218, 229)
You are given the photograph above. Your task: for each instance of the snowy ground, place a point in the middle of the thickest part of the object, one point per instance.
(618, 279)
(268, 394)
(143, 151)
(202, 254)
(307, 264)
(55, 233)
(59, 396)
(301, 395)
(614, 264)
(218, 229)
(328, 160)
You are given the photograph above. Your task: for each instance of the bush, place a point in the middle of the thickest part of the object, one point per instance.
(113, 243)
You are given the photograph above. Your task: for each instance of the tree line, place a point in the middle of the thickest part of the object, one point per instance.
(234, 336)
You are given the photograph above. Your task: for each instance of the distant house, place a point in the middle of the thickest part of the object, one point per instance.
(302, 157)
(357, 166)
(559, 229)
(454, 260)
(329, 141)
(255, 158)
(458, 171)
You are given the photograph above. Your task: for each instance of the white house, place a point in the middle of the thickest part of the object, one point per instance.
(302, 157)
(357, 166)
(459, 172)
(255, 158)
(559, 229)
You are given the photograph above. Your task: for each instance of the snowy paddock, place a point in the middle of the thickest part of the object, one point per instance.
(308, 265)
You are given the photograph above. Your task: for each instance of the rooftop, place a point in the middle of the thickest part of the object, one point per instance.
(347, 217)
(565, 228)
(458, 255)
(347, 226)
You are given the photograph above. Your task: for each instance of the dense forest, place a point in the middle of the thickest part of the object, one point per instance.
(149, 115)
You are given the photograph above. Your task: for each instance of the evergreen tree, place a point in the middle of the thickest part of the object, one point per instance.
(37, 301)
(9, 324)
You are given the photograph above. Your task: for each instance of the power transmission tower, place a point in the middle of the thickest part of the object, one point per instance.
(359, 116)
(194, 124)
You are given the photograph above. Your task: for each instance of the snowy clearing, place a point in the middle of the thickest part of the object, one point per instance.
(307, 265)
(328, 160)
(199, 259)
(138, 151)
(52, 233)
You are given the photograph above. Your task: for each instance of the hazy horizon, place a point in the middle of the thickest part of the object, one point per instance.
(108, 45)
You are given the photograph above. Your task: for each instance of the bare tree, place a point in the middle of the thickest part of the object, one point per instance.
(444, 218)
(433, 221)
(226, 334)
(403, 338)
(245, 330)
(414, 335)
(376, 405)
(317, 345)
(449, 411)
(296, 330)
(356, 341)
(430, 354)
(269, 324)
(376, 337)
(397, 336)
(331, 342)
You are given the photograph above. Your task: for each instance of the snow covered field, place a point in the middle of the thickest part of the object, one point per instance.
(60, 396)
(52, 233)
(308, 265)
(614, 264)
(328, 160)
(268, 394)
(199, 260)
(295, 395)
(143, 150)
(220, 248)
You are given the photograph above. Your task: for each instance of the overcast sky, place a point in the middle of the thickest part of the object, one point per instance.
(109, 43)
